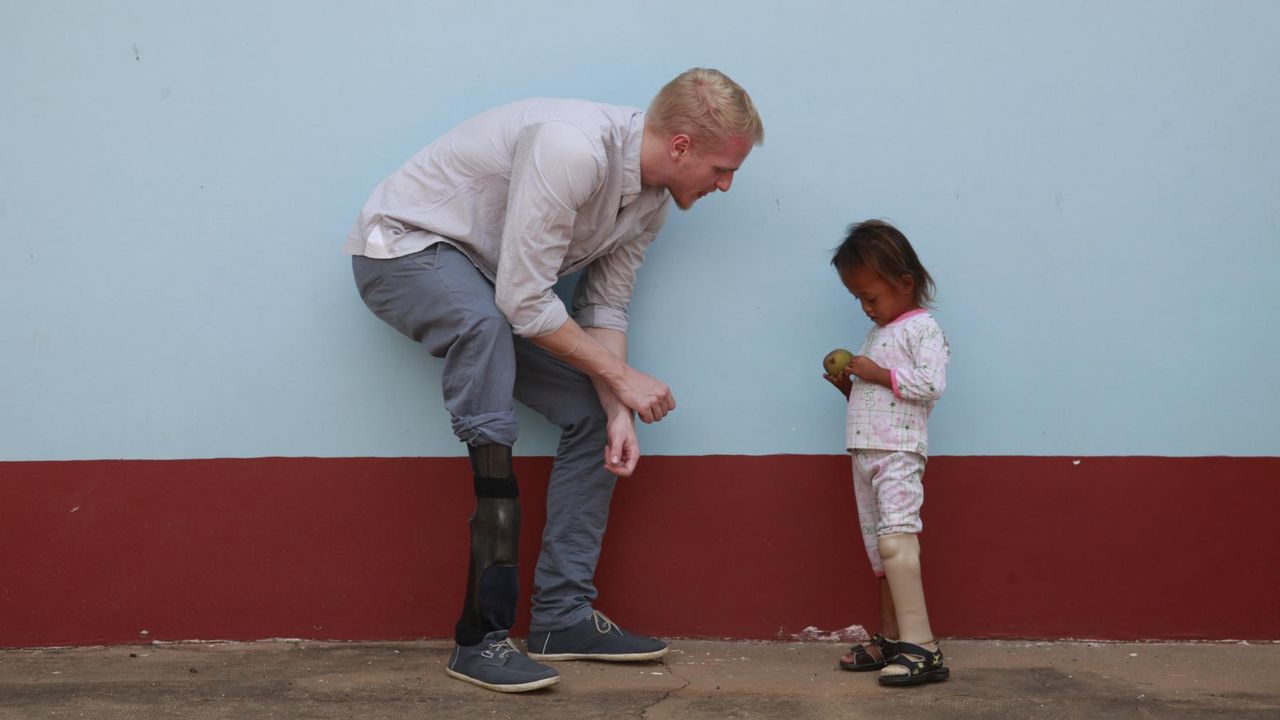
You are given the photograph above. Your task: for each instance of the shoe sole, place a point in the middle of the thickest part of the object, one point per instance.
(851, 667)
(939, 675)
(607, 657)
(521, 687)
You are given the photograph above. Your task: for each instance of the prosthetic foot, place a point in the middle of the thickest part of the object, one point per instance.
(484, 656)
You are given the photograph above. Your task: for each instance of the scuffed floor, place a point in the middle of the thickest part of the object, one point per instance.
(698, 679)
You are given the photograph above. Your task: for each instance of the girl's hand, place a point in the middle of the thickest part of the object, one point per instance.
(864, 367)
(842, 383)
(867, 370)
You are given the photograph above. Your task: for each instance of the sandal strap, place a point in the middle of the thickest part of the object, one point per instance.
(883, 642)
(862, 647)
(869, 653)
(904, 646)
(886, 647)
(907, 652)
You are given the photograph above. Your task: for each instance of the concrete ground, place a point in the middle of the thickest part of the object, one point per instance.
(698, 679)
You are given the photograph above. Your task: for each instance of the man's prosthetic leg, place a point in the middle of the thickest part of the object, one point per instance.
(493, 584)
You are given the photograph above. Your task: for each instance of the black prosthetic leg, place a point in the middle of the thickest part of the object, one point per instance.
(493, 583)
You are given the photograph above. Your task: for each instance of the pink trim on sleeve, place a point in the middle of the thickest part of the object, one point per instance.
(893, 378)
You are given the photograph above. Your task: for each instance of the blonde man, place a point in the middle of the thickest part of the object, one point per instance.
(459, 250)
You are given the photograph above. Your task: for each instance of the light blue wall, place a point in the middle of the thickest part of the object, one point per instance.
(1095, 186)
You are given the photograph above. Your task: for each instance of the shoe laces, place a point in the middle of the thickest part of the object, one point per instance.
(500, 650)
(603, 624)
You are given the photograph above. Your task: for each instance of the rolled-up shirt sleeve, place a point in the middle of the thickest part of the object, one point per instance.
(603, 293)
(556, 168)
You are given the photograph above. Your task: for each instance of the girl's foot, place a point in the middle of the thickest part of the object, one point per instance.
(872, 656)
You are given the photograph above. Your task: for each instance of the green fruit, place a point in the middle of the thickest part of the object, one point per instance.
(836, 361)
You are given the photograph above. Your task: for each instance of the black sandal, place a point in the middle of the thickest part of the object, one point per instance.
(864, 656)
(922, 666)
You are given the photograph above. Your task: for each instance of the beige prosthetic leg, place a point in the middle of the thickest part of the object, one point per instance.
(900, 554)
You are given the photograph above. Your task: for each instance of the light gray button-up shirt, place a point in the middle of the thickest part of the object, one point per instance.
(531, 192)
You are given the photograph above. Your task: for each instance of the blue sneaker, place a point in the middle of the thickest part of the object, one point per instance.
(595, 638)
(495, 664)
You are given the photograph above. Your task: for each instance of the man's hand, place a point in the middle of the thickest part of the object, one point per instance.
(621, 450)
(647, 395)
(601, 354)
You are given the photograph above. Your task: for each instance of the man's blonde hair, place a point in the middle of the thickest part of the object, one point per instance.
(708, 107)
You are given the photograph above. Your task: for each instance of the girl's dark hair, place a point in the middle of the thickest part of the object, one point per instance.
(883, 248)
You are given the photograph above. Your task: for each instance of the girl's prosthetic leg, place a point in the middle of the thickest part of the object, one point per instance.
(915, 662)
(900, 554)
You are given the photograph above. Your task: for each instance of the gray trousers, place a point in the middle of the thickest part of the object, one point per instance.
(438, 298)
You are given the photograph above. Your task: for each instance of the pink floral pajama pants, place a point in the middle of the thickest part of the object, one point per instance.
(889, 489)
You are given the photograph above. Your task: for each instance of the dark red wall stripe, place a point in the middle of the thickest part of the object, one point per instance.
(718, 546)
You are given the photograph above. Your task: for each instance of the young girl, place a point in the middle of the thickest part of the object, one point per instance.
(892, 384)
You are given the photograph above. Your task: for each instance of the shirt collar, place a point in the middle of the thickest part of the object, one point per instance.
(631, 143)
(908, 314)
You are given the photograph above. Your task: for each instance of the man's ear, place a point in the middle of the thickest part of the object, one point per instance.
(680, 146)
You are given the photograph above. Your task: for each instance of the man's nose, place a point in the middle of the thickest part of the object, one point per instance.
(725, 181)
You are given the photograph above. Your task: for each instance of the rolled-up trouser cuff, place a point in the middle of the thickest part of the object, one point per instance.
(496, 427)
